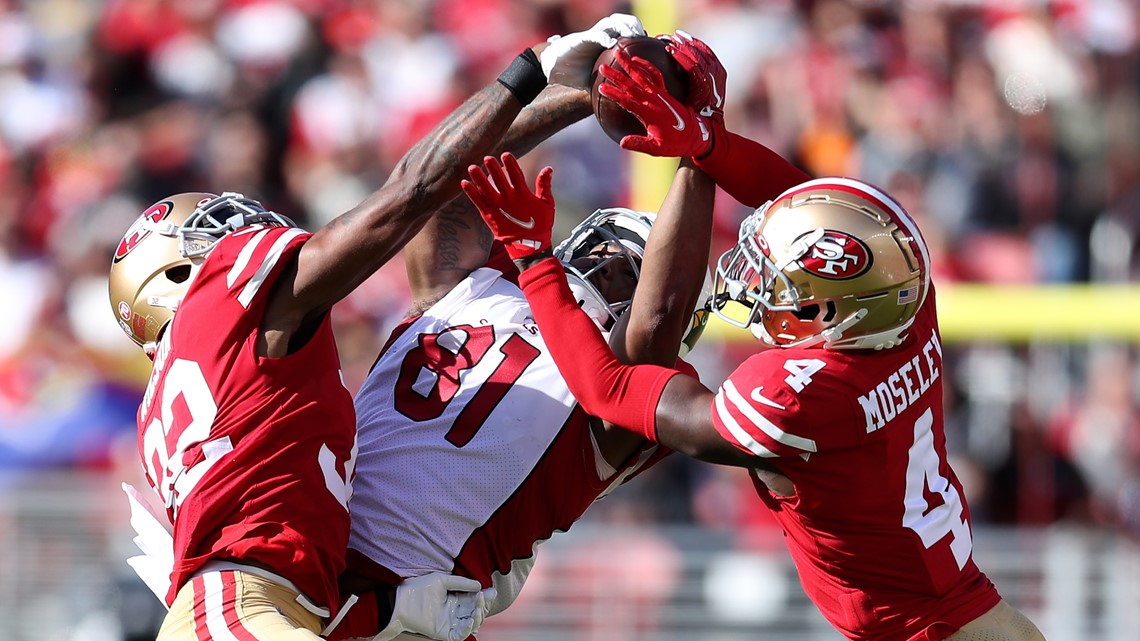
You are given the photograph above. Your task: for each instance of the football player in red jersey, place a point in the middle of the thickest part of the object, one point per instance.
(472, 449)
(246, 431)
(841, 423)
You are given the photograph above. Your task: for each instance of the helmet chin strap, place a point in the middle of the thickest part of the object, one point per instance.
(885, 339)
(834, 334)
(830, 337)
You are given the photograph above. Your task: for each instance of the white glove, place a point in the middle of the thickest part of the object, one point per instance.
(475, 607)
(439, 606)
(569, 60)
(620, 24)
(152, 528)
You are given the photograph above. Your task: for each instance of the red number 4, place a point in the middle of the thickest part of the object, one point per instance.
(447, 363)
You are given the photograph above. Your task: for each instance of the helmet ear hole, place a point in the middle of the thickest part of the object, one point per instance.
(830, 315)
(812, 311)
(178, 273)
(807, 312)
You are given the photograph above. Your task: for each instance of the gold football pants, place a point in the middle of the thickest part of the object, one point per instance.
(1003, 622)
(231, 605)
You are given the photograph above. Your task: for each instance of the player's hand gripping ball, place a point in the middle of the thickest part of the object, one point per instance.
(615, 121)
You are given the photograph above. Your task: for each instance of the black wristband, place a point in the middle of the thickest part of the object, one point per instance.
(526, 263)
(524, 78)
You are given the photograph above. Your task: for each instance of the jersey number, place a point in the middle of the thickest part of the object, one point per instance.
(933, 524)
(445, 356)
(187, 410)
(922, 473)
(800, 371)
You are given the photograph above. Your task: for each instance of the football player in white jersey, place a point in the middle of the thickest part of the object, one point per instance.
(471, 449)
(246, 431)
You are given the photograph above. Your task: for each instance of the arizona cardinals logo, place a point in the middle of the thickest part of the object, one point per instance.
(138, 231)
(837, 256)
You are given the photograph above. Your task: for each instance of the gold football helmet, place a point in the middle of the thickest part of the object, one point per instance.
(832, 261)
(157, 258)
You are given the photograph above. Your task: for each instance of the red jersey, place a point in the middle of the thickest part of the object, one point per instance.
(251, 456)
(878, 526)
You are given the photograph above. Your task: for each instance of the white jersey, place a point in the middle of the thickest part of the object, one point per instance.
(472, 449)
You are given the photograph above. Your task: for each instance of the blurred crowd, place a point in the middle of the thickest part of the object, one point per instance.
(1009, 128)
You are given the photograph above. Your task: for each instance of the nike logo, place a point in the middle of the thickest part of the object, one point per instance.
(760, 398)
(680, 126)
(712, 83)
(525, 224)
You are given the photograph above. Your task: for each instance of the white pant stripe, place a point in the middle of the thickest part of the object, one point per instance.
(215, 608)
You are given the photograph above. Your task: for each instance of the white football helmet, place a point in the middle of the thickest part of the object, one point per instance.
(157, 258)
(832, 261)
(627, 231)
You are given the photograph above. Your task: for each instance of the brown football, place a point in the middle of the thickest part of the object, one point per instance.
(615, 121)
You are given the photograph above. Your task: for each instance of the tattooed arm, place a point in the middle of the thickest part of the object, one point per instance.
(456, 242)
(353, 246)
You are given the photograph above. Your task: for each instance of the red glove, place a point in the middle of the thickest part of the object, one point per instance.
(522, 220)
(706, 73)
(672, 128)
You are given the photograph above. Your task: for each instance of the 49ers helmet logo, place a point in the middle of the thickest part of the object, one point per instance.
(837, 256)
(138, 231)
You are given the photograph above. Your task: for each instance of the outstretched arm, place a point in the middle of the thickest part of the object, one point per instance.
(672, 273)
(455, 241)
(747, 170)
(353, 246)
(654, 402)
(633, 397)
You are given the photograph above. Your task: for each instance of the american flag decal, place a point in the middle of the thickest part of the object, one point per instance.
(908, 295)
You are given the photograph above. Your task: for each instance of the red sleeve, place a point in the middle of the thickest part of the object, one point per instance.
(625, 395)
(687, 369)
(750, 172)
(500, 260)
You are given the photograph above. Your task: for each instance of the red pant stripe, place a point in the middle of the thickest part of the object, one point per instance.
(229, 598)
